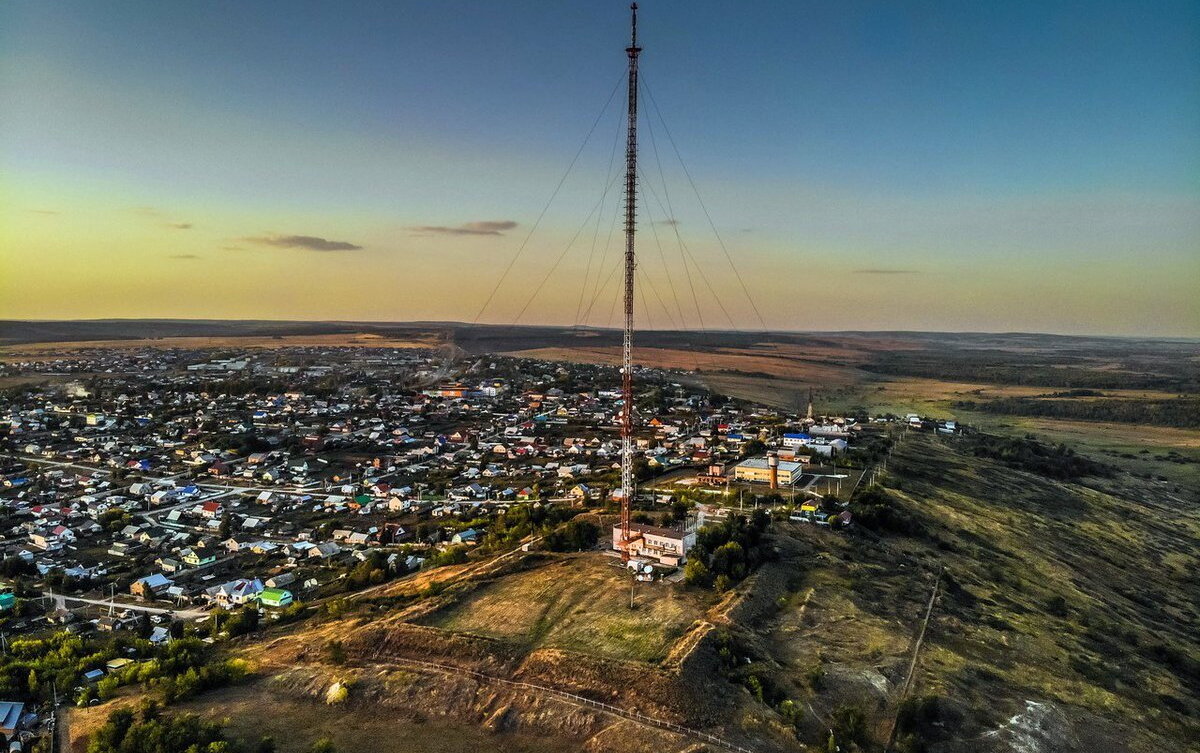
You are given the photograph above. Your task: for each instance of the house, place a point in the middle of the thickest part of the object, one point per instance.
(666, 545)
(212, 510)
(275, 597)
(45, 541)
(12, 718)
(150, 586)
(281, 580)
(109, 624)
(469, 536)
(581, 493)
(198, 556)
(235, 592)
(324, 550)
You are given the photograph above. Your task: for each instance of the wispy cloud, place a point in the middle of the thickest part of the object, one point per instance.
(233, 248)
(671, 222)
(887, 271)
(183, 256)
(154, 213)
(45, 211)
(310, 242)
(480, 227)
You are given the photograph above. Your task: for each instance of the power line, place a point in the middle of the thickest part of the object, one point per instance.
(599, 217)
(670, 216)
(562, 255)
(550, 201)
(700, 199)
(684, 250)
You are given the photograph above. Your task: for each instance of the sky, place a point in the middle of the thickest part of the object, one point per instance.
(1017, 166)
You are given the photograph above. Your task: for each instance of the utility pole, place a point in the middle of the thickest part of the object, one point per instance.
(630, 265)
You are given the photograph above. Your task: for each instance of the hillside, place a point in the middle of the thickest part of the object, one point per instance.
(1061, 624)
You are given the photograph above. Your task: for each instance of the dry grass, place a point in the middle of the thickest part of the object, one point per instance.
(251, 712)
(578, 604)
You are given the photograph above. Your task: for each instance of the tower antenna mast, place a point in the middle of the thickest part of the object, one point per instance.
(630, 265)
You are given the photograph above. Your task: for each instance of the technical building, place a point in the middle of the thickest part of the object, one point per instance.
(667, 546)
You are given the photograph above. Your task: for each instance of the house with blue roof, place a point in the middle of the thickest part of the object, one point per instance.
(12, 717)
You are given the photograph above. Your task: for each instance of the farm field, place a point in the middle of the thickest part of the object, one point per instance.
(26, 351)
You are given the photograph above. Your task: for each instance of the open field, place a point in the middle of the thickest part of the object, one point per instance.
(1152, 452)
(751, 360)
(28, 351)
(579, 604)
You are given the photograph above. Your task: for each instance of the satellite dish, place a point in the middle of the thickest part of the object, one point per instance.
(648, 569)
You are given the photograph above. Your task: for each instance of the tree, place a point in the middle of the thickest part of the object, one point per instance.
(696, 573)
(575, 536)
(752, 448)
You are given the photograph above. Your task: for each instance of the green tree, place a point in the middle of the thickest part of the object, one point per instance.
(696, 573)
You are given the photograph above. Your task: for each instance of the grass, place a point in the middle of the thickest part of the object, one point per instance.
(1074, 593)
(250, 712)
(579, 604)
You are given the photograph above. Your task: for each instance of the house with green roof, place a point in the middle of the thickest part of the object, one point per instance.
(275, 597)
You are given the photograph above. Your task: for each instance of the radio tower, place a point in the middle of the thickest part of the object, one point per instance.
(630, 265)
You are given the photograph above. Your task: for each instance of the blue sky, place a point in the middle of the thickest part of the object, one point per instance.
(1008, 165)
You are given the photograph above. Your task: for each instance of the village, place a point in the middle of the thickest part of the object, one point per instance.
(147, 489)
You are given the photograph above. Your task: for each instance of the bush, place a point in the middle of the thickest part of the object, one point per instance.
(879, 511)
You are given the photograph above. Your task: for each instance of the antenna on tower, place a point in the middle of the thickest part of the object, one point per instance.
(630, 265)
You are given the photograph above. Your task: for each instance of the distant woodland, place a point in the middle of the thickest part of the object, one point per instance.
(1183, 412)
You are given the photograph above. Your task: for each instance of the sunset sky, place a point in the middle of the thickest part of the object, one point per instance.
(924, 166)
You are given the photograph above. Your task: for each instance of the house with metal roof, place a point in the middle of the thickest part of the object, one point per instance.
(12, 714)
